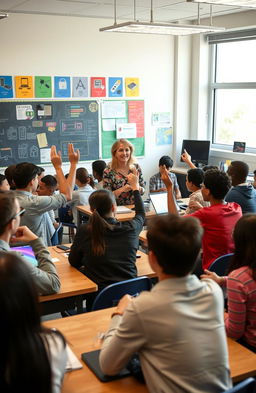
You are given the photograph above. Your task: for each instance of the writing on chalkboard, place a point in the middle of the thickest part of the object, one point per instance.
(28, 130)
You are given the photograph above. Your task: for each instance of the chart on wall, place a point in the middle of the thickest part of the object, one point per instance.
(29, 128)
(122, 119)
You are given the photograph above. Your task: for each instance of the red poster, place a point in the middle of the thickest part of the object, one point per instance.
(136, 115)
(98, 87)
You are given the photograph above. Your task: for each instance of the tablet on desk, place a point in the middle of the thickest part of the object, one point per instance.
(27, 253)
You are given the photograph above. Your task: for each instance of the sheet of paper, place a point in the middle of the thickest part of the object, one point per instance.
(113, 109)
(72, 361)
(45, 155)
(126, 130)
(42, 140)
(108, 125)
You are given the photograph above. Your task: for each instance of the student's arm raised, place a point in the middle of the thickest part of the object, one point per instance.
(172, 208)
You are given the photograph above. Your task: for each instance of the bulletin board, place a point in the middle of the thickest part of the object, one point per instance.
(127, 112)
(29, 128)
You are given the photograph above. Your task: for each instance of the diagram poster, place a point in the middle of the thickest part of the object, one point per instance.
(132, 88)
(43, 86)
(136, 115)
(98, 87)
(24, 86)
(6, 89)
(80, 86)
(115, 87)
(61, 86)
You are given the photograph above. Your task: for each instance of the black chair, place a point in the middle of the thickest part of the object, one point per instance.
(220, 265)
(247, 386)
(66, 220)
(110, 295)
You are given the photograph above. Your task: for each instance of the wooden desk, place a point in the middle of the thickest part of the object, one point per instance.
(143, 266)
(143, 236)
(74, 284)
(81, 332)
(85, 210)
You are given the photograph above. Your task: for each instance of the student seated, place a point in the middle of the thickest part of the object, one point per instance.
(45, 275)
(218, 220)
(81, 195)
(241, 284)
(241, 192)
(4, 185)
(9, 175)
(37, 207)
(105, 247)
(33, 358)
(194, 180)
(177, 328)
(155, 182)
(98, 168)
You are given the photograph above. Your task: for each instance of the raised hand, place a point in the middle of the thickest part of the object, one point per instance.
(186, 157)
(73, 155)
(56, 157)
(165, 176)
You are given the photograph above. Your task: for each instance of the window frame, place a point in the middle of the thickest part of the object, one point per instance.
(213, 87)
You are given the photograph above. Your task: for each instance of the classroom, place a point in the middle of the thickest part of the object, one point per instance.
(175, 82)
(174, 73)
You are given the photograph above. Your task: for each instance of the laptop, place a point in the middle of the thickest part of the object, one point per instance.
(159, 202)
(27, 253)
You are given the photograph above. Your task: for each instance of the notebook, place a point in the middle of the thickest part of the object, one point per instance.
(27, 253)
(123, 209)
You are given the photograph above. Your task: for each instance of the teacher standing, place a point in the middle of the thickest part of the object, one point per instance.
(115, 175)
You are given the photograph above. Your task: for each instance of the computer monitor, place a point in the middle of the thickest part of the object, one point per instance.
(199, 151)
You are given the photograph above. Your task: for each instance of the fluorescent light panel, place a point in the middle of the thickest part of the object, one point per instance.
(159, 28)
(2, 16)
(237, 3)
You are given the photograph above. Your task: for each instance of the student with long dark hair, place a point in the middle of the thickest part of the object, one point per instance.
(241, 283)
(33, 358)
(105, 247)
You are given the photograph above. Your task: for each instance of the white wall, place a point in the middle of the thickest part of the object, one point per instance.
(55, 45)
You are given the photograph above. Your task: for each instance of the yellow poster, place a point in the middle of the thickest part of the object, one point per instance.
(132, 88)
(24, 86)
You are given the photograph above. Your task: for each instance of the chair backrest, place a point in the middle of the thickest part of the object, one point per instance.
(55, 236)
(110, 295)
(220, 265)
(247, 386)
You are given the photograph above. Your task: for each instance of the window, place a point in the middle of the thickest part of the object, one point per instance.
(233, 91)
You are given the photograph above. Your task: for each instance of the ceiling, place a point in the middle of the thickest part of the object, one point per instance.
(164, 10)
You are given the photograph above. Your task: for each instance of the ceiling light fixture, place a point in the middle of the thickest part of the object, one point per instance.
(236, 3)
(156, 27)
(2, 16)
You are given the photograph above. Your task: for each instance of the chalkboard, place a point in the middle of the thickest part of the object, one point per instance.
(29, 128)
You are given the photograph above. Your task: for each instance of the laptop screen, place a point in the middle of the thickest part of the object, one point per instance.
(159, 202)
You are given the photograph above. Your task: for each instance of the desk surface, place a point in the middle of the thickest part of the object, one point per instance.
(81, 332)
(72, 281)
(120, 216)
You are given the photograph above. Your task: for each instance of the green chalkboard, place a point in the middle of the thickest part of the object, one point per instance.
(29, 128)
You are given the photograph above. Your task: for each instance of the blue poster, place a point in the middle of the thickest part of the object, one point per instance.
(115, 87)
(61, 86)
(6, 89)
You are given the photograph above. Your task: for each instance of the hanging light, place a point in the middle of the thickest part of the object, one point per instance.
(157, 28)
(236, 3)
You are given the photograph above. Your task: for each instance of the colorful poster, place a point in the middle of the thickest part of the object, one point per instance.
(24, 86)
(98, 87)
(132, 87)
(163, 136)
(43, 86)
(6, 89)
(115, 87)
(136, 115)
(80, 86)
(61, 86)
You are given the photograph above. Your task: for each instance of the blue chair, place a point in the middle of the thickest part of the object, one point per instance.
(110, 295)
(55, 236)
(247, 386)
(220, 265)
